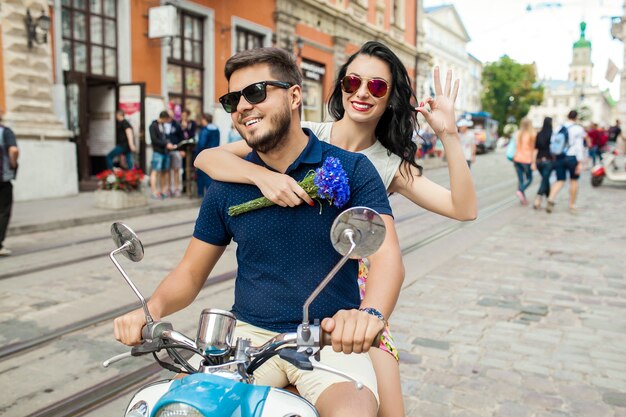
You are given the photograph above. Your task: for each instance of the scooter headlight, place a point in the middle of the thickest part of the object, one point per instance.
(178, 410)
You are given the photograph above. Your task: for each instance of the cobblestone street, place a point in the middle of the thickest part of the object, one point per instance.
(527, 320)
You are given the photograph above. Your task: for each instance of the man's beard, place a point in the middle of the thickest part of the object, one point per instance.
(272, 139)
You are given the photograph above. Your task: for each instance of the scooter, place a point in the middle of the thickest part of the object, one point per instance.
(221, 373)
(609, 169)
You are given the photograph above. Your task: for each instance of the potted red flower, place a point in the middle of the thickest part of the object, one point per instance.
(120, 189)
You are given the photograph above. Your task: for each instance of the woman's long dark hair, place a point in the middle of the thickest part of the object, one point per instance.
(396, 127)
(543, 137)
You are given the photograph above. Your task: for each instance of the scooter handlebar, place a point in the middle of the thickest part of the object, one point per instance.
(326, 339)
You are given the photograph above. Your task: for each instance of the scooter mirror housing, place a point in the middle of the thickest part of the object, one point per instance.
(356, 233)
(123, 236)
(364, 226)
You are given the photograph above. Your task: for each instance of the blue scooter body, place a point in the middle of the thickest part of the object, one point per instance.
(216, 396)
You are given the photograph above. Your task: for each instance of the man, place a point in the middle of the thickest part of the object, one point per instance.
(597, 139)
(284, 252)
(570, 163)
(209, 138)
(615, 132)
(174, 134)
(124, 142)
(189, 128)
(468, 141)
(161, 146)
(8, 167)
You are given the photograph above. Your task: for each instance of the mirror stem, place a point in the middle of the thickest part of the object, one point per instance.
(349, 235)
(125, 246)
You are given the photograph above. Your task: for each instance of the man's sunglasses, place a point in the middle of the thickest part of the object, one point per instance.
(376, 86)
(254, 94)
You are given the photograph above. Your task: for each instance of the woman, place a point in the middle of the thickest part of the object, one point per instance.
(371, 104)
(543, 161)
(524, 157)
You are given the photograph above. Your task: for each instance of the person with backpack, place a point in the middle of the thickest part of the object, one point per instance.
(567, 145)
(543, 161)
(8, 168)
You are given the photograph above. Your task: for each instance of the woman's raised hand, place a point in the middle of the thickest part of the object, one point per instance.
(441, 114)
(281, 189)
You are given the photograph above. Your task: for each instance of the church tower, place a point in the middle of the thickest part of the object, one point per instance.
(581, 66)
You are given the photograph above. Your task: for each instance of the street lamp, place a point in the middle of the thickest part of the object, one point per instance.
(42, 22)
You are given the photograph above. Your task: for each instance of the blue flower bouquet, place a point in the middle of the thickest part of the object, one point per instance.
(328, 182)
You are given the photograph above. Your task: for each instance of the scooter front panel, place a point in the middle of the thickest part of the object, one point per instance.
(215, 397)
(150, 394)
(284, 403)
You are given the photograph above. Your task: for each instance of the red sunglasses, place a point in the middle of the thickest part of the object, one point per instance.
(376, 86)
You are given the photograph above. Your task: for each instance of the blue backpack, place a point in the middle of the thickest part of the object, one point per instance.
(559, 142)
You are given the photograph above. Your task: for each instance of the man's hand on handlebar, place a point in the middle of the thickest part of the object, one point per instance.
(353, 331)
(127, 328)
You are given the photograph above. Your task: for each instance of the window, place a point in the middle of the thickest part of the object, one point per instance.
(248, 39)
(185, 69)
(89, 32)
(397, 13)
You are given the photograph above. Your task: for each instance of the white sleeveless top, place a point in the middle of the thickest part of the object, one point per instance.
(386, 164)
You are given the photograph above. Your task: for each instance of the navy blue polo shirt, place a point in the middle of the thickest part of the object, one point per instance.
(283, 253)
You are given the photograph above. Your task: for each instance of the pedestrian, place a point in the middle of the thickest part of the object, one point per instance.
(596, 140)
(9, 154)
(524, 150)
(569, 163)
(174, 134)
(277, 268)
(615, 132)
(161, 147)
(209, 137)
(233, 135)
(468, 141)
(124, 141)
(543, 161)
(189, 128)
(371, 103)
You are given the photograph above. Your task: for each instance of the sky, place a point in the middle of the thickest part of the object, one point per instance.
(543, 35)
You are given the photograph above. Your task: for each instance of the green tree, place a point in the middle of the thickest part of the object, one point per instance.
(509, 90)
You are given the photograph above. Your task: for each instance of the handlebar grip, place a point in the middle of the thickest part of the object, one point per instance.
(326, 339)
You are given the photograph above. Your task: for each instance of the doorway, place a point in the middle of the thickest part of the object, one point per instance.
(91, 106)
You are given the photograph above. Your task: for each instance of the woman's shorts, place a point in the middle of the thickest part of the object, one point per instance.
(160, 161)
(386, 341)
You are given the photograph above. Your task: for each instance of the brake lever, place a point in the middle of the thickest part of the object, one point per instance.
(298, 359)
(316, 365)
(116, 358)
(147, 347)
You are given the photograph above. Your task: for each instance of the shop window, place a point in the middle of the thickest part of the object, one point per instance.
(89, 29)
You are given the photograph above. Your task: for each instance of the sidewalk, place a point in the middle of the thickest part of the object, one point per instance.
(59, 213)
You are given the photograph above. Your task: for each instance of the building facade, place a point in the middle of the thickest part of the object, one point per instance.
(59, 91)
(577, 92)
(446, 42)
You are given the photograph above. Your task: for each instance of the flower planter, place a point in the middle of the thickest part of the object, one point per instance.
(117, 200)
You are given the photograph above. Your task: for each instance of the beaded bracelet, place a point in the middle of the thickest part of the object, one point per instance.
(372, 311)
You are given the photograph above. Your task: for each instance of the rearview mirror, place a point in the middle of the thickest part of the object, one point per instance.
(364, 226)
(123, 236)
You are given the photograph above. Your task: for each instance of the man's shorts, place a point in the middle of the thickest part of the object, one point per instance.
(176, 161)
(160, 161)
(565, 165)
(279, 373)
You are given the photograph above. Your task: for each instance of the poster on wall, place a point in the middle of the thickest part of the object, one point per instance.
(130, 104)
